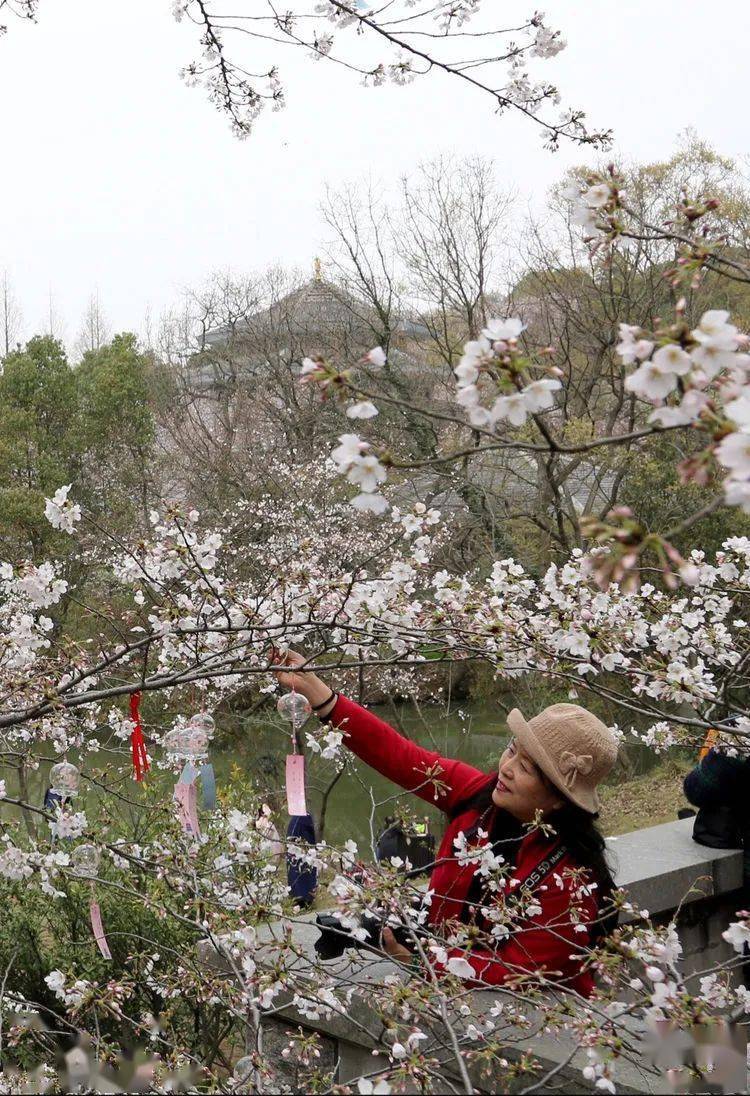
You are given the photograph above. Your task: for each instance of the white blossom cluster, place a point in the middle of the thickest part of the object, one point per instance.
(71, 994)
(590, 203)
(698, 377)
(670, 649)
(354, 459)
(495, 348)
(61, 512)
(690, 380)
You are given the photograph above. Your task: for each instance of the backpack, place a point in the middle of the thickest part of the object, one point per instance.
(717, 828)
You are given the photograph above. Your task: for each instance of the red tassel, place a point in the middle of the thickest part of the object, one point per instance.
(140, 758)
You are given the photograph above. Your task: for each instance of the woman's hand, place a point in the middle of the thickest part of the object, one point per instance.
(299, 680)
(289, 679)
(396, 951)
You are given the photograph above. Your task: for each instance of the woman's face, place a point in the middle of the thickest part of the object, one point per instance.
(521, 790)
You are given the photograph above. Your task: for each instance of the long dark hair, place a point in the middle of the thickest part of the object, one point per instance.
(575, 828)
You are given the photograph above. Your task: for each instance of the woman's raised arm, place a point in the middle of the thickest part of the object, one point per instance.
(436, 779)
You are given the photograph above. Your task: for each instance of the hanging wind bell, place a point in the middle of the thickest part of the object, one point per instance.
(84, 862)
(207, 723)
(64, 780)
(189, 743)
(295, 709)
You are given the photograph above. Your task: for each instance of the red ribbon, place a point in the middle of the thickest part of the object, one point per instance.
(138, 745)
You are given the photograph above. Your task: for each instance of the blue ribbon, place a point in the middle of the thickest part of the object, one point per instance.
(189, 774)
(208, 783)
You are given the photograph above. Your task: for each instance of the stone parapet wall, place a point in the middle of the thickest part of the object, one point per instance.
(667, 873)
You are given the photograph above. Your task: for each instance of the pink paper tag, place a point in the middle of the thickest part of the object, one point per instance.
(96, 924)
(295, 784)
(187, 797)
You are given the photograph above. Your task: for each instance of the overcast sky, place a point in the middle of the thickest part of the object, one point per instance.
(118, 178)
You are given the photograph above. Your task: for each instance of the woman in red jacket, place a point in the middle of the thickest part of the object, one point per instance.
(559, 876)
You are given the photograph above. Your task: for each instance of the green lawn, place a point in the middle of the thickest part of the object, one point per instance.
(644, 800)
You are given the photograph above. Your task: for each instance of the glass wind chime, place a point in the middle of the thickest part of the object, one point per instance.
(65, 780)
(294, 708)
(189, 743)
(85, 864)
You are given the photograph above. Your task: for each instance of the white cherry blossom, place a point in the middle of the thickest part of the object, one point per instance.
(350, 447)
(673, 359)
(687, 411)
(737, 493)
(738, 935)
(712, 358)
(377, 357)
(596, 196)
(373, 502)
(733, 451)
(632, 347)
(365, 409)
(467, 396)
(714, 330)
(513, 408)
(61, 512)
(367, 472)
(739, 410)
(537, 395)
(586, 219)
(547, 43)
(651, 382)
(503, 330)
(460, 968)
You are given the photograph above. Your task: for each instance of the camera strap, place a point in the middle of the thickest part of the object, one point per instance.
(544, 868)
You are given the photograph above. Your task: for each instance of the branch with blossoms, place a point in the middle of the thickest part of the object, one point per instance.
(22, 9)
(235, 944)
(500, 387)
(701, 240)
(394, 44)
(646, 651)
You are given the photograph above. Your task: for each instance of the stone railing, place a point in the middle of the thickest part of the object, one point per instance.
(663, 871)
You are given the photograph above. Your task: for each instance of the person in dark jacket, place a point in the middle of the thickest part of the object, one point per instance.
(719, 786)
(719, 780)
(551, 768)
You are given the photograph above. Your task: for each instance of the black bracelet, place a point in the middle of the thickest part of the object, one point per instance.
(328, 718)
(328, 699)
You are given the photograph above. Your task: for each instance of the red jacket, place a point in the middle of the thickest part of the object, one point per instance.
(554, 940)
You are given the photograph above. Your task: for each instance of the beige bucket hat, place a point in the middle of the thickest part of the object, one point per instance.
(573, 748)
